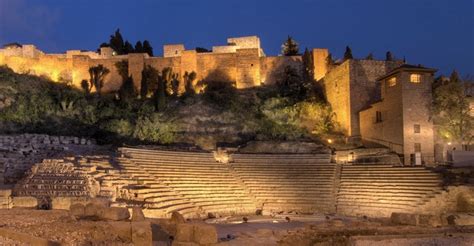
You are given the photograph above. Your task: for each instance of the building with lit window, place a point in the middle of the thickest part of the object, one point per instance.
(402, 120)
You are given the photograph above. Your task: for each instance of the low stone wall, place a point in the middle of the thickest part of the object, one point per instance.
(290, 147)
(18, 153)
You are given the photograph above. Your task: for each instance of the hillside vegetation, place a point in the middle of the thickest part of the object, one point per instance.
(220, 114)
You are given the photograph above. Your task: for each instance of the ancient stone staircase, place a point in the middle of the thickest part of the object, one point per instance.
(379, 190)
(288, 183)
(56, 177)
(207, 184)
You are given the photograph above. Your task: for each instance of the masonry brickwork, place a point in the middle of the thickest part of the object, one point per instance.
(242, 61)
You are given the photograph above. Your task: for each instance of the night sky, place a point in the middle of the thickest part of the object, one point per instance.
(435, 33)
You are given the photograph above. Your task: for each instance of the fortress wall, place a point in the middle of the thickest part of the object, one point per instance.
(188, 64)
(51, 66)
(80, 66)
(113, 80)
(365, 89)
(248, 68)
(336, 83)
(224, 49)
(136, 63)
(211, 66)
(272, 67)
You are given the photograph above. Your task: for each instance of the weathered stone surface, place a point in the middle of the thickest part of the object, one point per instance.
(404, 219)
(61, 203)
(115, 213)
(430, 220)
(5, 192)
(461, 219)
(204, 234)
(184, 232)
(77, 210)
(25, 202)
(94, 209)
(137, 214)
(177, 218)
(142, 233)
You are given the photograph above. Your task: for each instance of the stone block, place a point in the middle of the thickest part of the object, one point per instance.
(137, 214)
(115, 213)
(177, 243)
(461, 219)
(94, 210)
(61, 203)
(204, 234)
(177, 218)
(429, 220)
(184, 232)
(77, 210)
(122, 229)
(404, 219)
(25, 202)
(142, 233)
(5, 193)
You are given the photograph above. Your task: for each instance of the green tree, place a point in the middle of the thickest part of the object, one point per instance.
(188, 83)
(348, 54)
(370, 56)
(116, 42)
(451, 108)
(139, 47)
(97, 75)
(389, 56)
(147, 48)
(86, 86)
(308, 65)
(128, 47)
(290, 47)
(127, 90)
(122, 69)
(293, 86)
(149, 81)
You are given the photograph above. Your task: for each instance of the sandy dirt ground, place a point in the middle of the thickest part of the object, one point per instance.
(59, 226)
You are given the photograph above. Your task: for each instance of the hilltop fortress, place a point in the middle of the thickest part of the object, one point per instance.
(382, 102)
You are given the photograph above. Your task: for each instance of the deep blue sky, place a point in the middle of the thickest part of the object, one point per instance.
(435, 33)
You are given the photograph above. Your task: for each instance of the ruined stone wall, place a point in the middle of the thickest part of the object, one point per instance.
(337, 91)
(113, 80)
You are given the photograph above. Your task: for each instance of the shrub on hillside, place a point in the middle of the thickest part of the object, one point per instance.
(219, 93)
(155, 129)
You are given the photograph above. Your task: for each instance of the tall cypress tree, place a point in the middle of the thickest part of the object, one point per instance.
(138, 47)
(290, 47)
(389, 56)
(116, 42)
(147, 48)
(128, 47)
(308, 65)
(348, 53)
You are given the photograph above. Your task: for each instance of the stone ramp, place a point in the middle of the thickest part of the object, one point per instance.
(288, 182)
(379, 190)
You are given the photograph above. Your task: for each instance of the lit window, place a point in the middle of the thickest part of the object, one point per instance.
(378, 116)
(417, 147)
(392, 81)
(417, 128)
(415, 78)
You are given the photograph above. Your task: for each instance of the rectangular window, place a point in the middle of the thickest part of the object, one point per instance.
(417, 147)
(378, 116)
(415, 78)
(392, 81)
(417, 128)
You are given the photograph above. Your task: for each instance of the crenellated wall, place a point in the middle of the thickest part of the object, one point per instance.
(244, 65)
